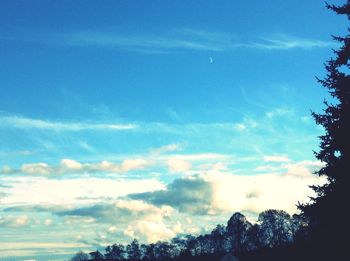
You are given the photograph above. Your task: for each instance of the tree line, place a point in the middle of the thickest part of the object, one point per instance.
(273, 228)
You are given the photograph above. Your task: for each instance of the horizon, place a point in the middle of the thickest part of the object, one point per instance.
(154, 119)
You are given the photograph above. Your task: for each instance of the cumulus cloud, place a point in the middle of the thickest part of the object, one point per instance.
(6, 170)
(72, 166)
(218, 191)
(142, 220)
(120, 211)
(147, 209)
(68, 164)
(36, 168)
(133, 218)
(303, 168)
(134, 164)
(103, 166)
(152, 231)
(189, 195)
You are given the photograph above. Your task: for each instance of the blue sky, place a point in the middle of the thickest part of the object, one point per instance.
(148, 119)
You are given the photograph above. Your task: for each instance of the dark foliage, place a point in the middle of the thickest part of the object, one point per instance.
(328, 211)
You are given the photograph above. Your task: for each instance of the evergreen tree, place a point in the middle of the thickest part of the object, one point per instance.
(327, 212)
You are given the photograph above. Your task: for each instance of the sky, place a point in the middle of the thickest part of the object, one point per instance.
(151, 119)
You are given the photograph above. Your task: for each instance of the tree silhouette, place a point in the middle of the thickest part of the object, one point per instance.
(251, 239)
(327, 211)
(148, 253)
(237, 227)
(80, 256)
(115, 252)
(133, 250)
(163, 250)
(96, 255)
(218, 236)
(276, 228)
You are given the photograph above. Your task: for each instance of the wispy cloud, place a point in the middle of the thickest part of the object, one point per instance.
(30, 123)
(167, 148)
(188, 39)
(178, 39)
(285, 42)
(146, 43)
(276, 158)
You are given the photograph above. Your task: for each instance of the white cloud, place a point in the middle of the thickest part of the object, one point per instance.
(246, 124)
(267, 168)
(133, 218)
(103, 166)
(36, 168)
(189, 39)
(240, 126)
(276, 158)
(298, 169)
(14, 221)
(84, 145)
(199, 156)
(112, 229)
(48, 222)
(42, 190)
(68, 164)
(279, 112)
(303, 168)
(151, 215)
(134, 164)
(257, 193)
(167, 148)
(145, 43)
(220, 191)
(6, 170)
(29, 123)
(152, 231)
(286, 42)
